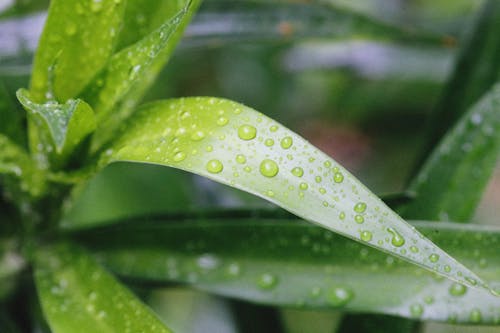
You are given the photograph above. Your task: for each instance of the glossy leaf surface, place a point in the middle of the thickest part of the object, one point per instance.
(284, 262)
(78, 38)
(238, 146)
(77, 295)
(460, 166)
(61, 127)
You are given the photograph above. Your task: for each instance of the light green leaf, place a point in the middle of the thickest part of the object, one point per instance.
(61, 127)
(452, 181)
(147, 69)
(280, 261)
(232, 21)
(126, 67)
(77, 40)
(235, 145)
(77, 295)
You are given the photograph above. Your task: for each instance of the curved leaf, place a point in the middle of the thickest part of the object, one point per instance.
(235, 145)
(77, 40)
(77, 295)
(451, 182)
(281, 261)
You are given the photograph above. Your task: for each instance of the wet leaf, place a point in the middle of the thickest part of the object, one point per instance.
(144, 70)
(238, 146)
(77, 295)
(61, 127)
(283, 262)
(78, 38)
(453, 179)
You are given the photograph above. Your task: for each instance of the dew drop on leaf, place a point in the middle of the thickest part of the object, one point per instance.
(303, 186)
(360, 207)
(416, 310)
(339, 296)
(359, 219)
(269, 142)
(179, 156)
(267, 281)
(396, 240)
(433, 257)
(286, 142)
(366, 235)
(457, 289)
(247, 132)
(475, 316)
(338, 177)
(269, 168)
(214, 166)
(221, 121)
(297, 172)
(241, 159)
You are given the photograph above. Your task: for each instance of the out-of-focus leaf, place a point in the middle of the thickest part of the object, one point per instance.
(77, 295)
(148, 74)
(78, 38)
(10, 117)
(61, 127)
(235, 145)
(15, 8)
(15, 163)
(11, 263)
(451, 182)
(283, 262)
(221, 22)
(476, 71)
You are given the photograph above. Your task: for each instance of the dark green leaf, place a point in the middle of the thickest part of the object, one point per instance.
(78, 38)
(238, 146)
(61, 127)
(285, 262)
(451, 182)
(77, 295)
(11, 119)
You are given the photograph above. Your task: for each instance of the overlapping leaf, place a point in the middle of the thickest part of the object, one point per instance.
(281, 261)
(238, 146)
(77, 295)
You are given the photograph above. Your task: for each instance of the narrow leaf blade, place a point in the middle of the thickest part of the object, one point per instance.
(77, 40)
(282, 262)
(77, 295)
(451, 182)
(238, 146)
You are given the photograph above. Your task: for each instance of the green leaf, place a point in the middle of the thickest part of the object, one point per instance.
(452, 181)
(126, 67)
(143, 71)
(283, 262)
(61, 127)
(77, 40)
(238, 146)
(77, 295)
(477, 69)
(11, 118)
(15, 163)
(232, 21)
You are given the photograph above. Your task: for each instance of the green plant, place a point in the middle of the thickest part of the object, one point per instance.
(94, 63)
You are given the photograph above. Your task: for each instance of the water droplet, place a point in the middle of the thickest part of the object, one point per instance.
(434, 257)
(269, 168)
(429, 299)
(208, 261)
(95, 5)
(298, 172)
(338, 177)
(318, 179)
(267, 281)
(233, 269)
(247, 132)
(475, 316)
(303, 186)
(286, 142)
(339, 296)
(360, 207)
(416, 310)
(209, 148)
(315, 292)
(457, 289)
(342, 216)
(241, 159)
(273, 128)
(447, 268)
(359, 219)
(322, 190)
(247, 169)
(327, 164)
(214, 166)
(269, 142)
(179, 156)
(222, 121)
(414, 249)
(198, 135)
(397, 240)
(366, 235)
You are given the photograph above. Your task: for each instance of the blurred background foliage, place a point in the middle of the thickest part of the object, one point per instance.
(358, 79)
